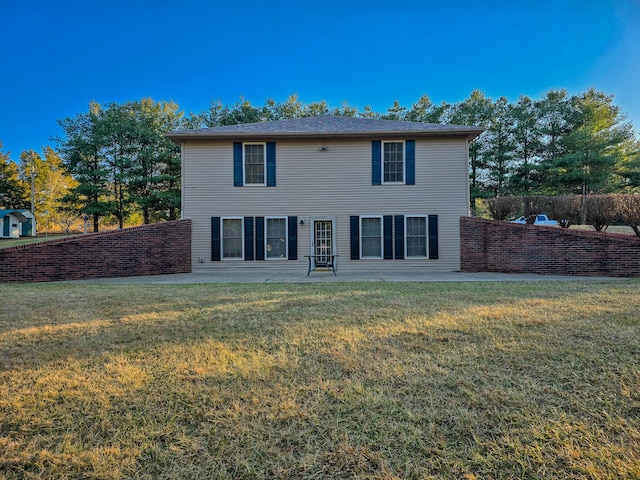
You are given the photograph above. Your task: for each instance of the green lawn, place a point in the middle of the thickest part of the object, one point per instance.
(366, 380)
(14, 242)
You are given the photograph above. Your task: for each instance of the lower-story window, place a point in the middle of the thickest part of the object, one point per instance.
(232, 238)
(416, 236)
(394, 237)
(276, 237)
(371, 235)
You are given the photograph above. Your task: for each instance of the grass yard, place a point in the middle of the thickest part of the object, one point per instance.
(42, 237)
(376, 380)
(611, 229)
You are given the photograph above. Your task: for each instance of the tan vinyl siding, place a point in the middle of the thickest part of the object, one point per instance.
(334, 184)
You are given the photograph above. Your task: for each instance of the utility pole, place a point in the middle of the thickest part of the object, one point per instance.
(33, 183)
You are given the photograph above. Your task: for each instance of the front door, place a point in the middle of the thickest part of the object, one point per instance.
(322, 241)
(27, 228)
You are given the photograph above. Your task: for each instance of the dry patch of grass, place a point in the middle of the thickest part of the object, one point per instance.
(509, 380)
(610, 229)
(14, 242)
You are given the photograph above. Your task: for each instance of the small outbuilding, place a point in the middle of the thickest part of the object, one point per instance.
(17, 223)
(28, 228)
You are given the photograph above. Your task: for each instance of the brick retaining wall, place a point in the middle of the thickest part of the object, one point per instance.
(155, 249)
(490, 246)
(164, 248)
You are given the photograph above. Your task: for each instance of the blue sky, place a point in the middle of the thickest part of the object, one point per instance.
(57, 56)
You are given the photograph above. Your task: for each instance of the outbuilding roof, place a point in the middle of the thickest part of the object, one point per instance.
(15, 213)
(326, 126)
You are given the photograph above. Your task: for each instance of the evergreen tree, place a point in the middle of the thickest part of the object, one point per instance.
(243, 112)
(116, 131)
(628, 170)
(425, 111)
(81, 152)
(123, 162)
(593, 147)
(154, 178)
(476, 110)
(395, 112)
(316, 108)
(13, 190)
(499, 148)
(291, 108)
(527, 146)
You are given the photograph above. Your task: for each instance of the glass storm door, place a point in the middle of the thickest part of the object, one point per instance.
(323, 241)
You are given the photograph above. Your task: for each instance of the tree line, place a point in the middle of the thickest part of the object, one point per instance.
(112, 164)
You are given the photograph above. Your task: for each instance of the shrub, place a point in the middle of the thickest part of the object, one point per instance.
(566, 209)
(600, 211)
(502, 208)
(533, 205)
(628, 211)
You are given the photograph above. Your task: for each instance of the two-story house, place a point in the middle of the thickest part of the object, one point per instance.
(366, 194)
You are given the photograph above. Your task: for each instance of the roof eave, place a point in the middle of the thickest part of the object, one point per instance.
(178, 137)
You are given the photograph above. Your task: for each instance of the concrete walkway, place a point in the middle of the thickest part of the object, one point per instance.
(328, 277)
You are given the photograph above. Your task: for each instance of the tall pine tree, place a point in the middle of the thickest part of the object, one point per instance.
(13, 191)
(595, 144)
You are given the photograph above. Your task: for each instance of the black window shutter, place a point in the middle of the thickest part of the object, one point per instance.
(293, 238)
(410, 158)
(215, 238)
(354, 222)
(259, 238)
(433, 237)
(376, 162)
(399, 221)
(387, 228)
(248, 238)
(271, 164)
(237, 164)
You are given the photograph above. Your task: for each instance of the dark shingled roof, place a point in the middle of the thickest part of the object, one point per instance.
(327, 126)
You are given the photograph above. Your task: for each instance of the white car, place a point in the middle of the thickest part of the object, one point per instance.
(541, 219)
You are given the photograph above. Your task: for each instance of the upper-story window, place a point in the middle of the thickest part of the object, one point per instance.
(393, 162)
(254, 163)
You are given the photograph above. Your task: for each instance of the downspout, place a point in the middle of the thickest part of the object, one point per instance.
(182, 180)
(467, 168)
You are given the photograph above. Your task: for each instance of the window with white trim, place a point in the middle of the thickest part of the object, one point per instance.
(415, 236)
(276, 237)
(393, 163)
(232, 238)
(371, 237)
(254, 161)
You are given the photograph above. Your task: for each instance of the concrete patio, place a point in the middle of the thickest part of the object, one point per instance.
(342, 277)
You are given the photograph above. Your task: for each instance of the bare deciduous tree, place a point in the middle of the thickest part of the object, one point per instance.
(502, 208)
(533, 205)
(628, 211)
(600, 211)
(565, 209)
